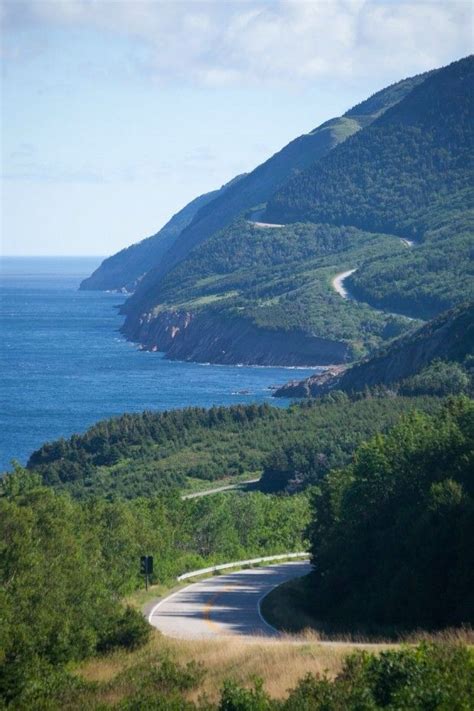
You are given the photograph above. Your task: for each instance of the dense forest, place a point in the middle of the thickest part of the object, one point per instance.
(65, 566)
(258, 186)
(280, 279)
(408, 174)
(391, 535)
(144, 454)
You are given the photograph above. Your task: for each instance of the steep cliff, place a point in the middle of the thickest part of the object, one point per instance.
(209, 336)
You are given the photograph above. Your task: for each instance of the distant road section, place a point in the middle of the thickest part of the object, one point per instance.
(224, 605)
(264, 224)
(338, 283)
(218, 489)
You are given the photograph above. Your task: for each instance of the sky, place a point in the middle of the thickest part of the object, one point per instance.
(116, 113)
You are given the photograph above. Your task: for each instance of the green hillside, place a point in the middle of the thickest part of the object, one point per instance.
(433, 357)
(147, 454)
(258, 186)
(408, 174)
(275, 279)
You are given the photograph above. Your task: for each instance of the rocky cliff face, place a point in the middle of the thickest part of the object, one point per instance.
(208, 337)
(448, 337)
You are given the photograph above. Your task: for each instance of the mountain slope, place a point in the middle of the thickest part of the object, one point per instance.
(124, 270)
(389, 176)
(410, 174)
(258, 186)
(264, 296)
(449, 337)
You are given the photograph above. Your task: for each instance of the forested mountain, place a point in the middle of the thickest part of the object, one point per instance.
(409, 174)
(389, 207)
(124, 270)
(259, 185)
(407, 364)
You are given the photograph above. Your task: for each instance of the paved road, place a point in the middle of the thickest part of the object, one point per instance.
(223, 605)
(217, 490)
(339, 279)
(264, 225)
(338, 283)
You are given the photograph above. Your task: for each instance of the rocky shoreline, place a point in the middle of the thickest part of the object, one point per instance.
(317, 384)
(206, 337)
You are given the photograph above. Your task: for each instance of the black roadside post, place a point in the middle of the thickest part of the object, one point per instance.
(146, 567)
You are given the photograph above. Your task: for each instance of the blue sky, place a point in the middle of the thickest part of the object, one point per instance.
(115, 113)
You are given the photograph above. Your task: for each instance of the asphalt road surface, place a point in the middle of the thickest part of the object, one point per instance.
(223, 605)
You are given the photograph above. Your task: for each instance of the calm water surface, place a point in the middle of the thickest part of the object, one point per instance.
(64, 365)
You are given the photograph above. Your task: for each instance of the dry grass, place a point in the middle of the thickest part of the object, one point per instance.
(280, 663)
(451, 635)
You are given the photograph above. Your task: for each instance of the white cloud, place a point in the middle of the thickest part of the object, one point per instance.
(217, 43)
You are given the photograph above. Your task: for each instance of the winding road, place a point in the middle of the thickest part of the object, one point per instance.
(224, 605)
(338, 283)
(339, 279)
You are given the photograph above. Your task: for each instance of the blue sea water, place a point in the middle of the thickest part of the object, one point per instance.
(64, 365)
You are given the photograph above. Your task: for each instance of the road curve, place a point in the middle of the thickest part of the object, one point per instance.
(224, 605)
(339, 279)
(338, 283)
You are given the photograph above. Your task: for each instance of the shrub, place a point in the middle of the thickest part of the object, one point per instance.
(130, 631)
(236, 698)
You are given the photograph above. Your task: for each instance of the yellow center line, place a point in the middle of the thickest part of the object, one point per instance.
(209, 605)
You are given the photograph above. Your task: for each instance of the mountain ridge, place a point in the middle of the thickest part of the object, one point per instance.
(124, 270)
(449, 337)
(258, 185)
(387, 200)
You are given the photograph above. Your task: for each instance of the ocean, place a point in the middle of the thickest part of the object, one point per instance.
(64, 364)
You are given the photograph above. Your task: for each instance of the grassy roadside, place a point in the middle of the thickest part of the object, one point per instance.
(288, 608)
(202, 666)
(279, 663)
(113, 679)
